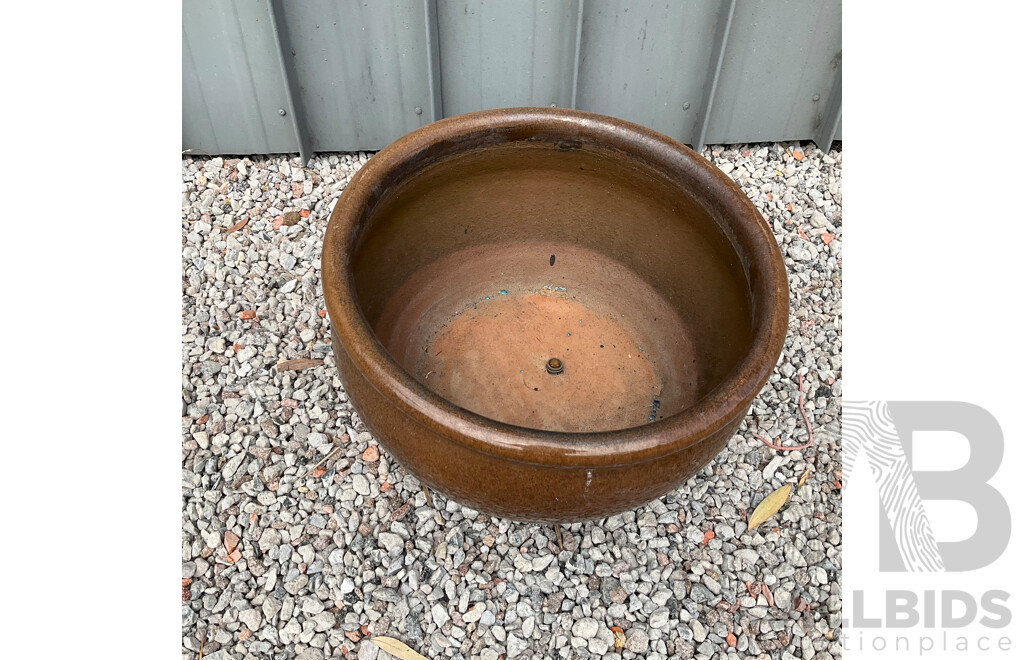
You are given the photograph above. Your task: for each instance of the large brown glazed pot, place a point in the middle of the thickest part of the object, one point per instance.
(550, 315)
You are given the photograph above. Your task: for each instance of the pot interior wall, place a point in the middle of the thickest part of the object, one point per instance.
(482, 266)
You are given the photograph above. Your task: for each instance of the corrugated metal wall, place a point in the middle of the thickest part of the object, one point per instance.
(267, 76)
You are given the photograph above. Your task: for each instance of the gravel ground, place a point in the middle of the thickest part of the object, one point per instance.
(331, 554)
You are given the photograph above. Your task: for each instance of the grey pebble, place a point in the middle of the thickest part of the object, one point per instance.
(637, 640)
(515, 645)
(361, 484)
(474, 613)
(701, 594)
(585, 628)
(251, 618)
(391, 542)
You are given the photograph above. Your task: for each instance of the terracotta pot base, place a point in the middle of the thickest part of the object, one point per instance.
(479, 327)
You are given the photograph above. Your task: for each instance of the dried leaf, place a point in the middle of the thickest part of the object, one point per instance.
(230, 541)
(298, 364)
(803, 478)
(620, 638)
(769, 506)
(396, 648)
(238, 226)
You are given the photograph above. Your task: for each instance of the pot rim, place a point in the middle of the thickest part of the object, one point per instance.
(747, 231)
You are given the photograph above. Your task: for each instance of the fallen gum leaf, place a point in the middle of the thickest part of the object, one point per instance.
(396, 648)
(769, 506)
(298, 364)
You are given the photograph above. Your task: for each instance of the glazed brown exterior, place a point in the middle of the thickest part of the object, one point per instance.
(533, 474)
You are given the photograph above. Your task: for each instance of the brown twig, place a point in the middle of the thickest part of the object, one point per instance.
(430, 500)
(320, 462)
(810, 433)
(558, 535)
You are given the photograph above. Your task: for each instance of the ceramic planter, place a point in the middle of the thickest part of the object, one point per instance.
(550, 315)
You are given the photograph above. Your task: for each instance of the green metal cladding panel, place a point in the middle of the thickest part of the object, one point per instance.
(232, 84)
(269, 76)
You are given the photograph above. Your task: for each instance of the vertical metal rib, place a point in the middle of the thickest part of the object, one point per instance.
(576, 56)
(826, 131)
(725, 14)
(433, 60)
(293, 98)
